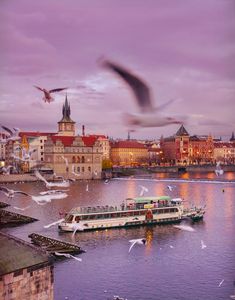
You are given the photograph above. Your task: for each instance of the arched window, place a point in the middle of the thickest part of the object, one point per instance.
(89, 169)
(78, 159)
(78, 169)
(83, 169)
(83, 159)
(73, 159)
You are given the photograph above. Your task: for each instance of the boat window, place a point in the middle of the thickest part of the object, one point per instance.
(69, 218)
(136, 213)
(77, 219)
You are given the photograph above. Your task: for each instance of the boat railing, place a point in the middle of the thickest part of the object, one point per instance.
(108, 208)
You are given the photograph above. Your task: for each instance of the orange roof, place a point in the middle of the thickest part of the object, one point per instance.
(127, 144)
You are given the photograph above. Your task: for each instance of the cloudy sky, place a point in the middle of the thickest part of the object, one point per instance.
(184, 49)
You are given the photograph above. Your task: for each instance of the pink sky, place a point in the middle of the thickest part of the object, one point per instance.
(184, 49)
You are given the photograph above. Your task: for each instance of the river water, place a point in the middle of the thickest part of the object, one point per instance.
(171, 266)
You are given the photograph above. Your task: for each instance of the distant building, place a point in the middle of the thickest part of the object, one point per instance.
(83, 153)
(128, 153)
(224, 152)
(185, 149)
(25, 271)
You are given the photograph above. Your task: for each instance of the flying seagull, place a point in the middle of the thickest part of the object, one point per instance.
(184, 227)
(51, 192)
(47, 93)
(44, 199)
(218, 169)
(67, 255)
(77, 227)
(203, 245)
(221, 282)
(13, 134)
(170, 188)
(52, 184)
(21, 208)
(149, 115)
(143, 190)
(137, 241)
(54, 223)
(11, 193)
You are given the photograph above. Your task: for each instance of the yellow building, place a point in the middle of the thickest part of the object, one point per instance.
(128, 153)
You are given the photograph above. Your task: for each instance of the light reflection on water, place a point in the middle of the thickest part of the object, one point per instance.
(154, 271)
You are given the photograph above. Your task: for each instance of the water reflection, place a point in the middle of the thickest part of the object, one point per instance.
(155, 271)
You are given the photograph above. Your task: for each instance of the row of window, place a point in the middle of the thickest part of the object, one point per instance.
(123, 214)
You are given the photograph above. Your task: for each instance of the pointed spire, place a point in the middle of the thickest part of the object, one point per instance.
(232, 139)
(182, 131)
(66, 111)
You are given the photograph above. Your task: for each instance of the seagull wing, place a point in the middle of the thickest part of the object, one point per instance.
(8, 130)
(4, 189)
(20, 192)
(139, 87)
(40, 89)
(57, 90)
(132, 245)
(39, 176)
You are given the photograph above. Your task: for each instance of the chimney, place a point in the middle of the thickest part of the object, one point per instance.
(83, 130)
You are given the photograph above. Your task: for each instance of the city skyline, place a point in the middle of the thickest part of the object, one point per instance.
(183, 50)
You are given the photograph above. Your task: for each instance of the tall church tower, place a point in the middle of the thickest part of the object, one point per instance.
(66, 126)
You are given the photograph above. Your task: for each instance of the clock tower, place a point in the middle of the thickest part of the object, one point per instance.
(66, 126)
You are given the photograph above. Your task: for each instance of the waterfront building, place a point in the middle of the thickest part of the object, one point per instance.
(224, 152)
(128, 153)
(182, 148)
(82, 153)
(26, 272)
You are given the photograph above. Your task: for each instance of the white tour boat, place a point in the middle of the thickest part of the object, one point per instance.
(132, 212)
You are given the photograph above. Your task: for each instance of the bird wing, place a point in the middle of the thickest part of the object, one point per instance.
(20, 192)
(132, 245)
(138, 86)
(37, 87)
(163, 106)
(8, 130)
(57, 90)
(4, 189)
(39, 176)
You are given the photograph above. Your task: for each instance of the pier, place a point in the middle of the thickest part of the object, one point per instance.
(53, 245)
(8, 218)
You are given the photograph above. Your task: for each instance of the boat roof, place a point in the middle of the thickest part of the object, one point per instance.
(176, 200)
(149, 199)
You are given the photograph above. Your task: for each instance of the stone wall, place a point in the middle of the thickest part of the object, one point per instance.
(33, 283)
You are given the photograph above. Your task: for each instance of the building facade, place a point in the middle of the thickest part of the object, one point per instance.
(70, 155)
(128, 153)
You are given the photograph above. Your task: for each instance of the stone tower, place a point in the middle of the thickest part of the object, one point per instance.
(66, 126)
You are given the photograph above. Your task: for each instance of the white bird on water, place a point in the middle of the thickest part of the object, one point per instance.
(149, 115)
(170, 188)
(143, 190)
(137, 241)
(67, 255)
(203, 245)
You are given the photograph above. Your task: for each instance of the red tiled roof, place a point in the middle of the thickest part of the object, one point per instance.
(66, 140)
(127, 144)
(89, 140)
(35, 133)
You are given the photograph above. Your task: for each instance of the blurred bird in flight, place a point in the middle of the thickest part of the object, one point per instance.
(47, 93)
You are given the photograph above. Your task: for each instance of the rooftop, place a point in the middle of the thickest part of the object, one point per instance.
(182, 131)
(127, 144)
(16, 254)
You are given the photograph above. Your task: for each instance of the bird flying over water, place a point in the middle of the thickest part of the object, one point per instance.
(203, 245)
(11, 193)
(149, 115)
(54, 223)
(67, 255)
(221, 282)
(218, 170)
(51, 184)
(143, 190)
(136, 241)
(47, 93)
(184, 227)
